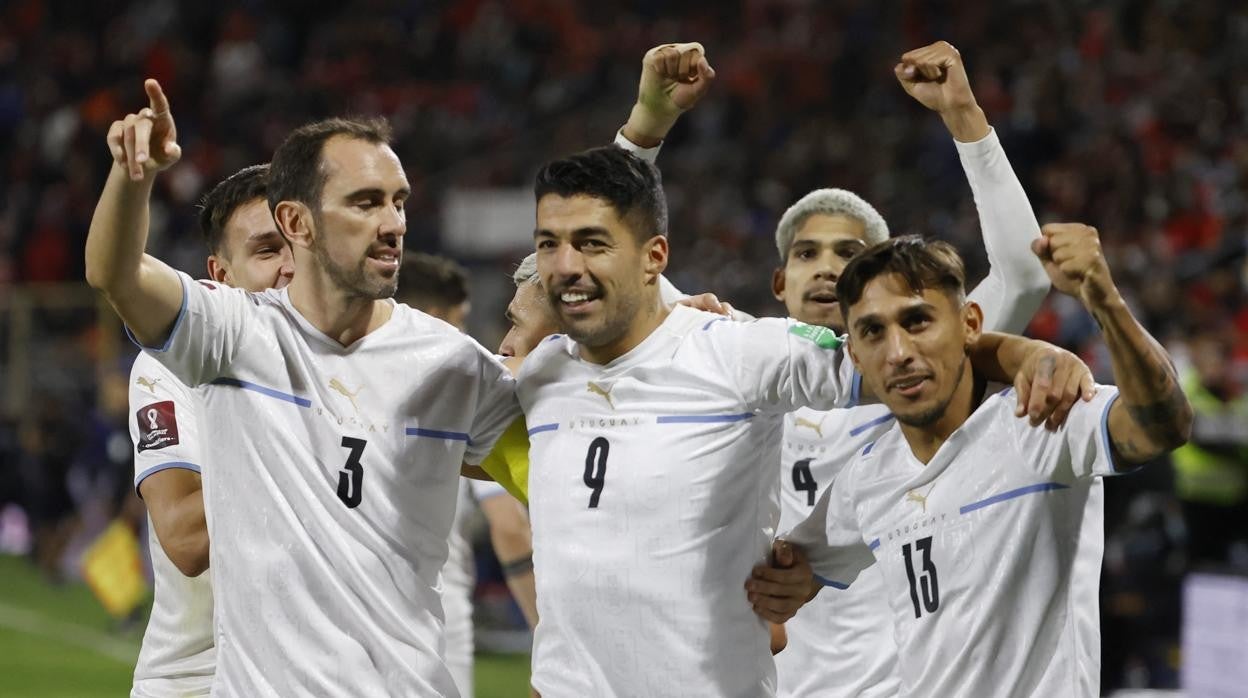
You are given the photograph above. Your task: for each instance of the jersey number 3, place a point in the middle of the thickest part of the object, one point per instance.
(923, 584)
(351, 477)
(596, 469)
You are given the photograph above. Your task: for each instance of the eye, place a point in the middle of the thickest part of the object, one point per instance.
(546, 244)
(918, 324)
(806, 254)
(848, 253)
(871, 331)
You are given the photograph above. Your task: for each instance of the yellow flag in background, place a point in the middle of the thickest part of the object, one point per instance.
(113, 567)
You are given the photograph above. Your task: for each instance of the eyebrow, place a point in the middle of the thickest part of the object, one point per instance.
(266, 236)
(922, 306)
(375, 192)
(579, 232)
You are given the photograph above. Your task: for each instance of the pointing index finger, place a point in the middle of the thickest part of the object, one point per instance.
(156, 97)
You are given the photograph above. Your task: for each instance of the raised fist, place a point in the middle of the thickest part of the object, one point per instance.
(674, 78)
(934, 75)
(1071, 254)
(146, 142)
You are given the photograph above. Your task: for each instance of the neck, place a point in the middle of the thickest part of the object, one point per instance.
(648, 318)
(340, 316)
(926, 440)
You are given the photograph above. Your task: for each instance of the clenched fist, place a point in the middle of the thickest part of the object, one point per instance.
(674, 78)
(146, 142)
(935, 77)
(1071, 254)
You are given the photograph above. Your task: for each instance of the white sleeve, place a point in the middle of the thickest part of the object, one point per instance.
(206, 336)
(497, 407)
(1080, 448)
(781, 364)
(1016, 283)
(650, 155)
(164, 425)
(832, 539)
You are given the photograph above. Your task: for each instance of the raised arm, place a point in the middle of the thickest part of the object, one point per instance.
(1152, 415)
(144, 291)
(1016, 284)
(674, 78)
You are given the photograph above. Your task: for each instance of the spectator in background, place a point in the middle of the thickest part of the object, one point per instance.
(436, 286)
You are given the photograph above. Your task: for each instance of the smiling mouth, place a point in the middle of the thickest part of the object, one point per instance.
(387, 259)
(577, 300)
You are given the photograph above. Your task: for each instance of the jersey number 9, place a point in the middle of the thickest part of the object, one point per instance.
(596, 469)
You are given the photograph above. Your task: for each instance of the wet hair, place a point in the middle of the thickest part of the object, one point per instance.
(231, 193)
(297, 172)
(828, 202)
(923, 264)
(429, 282)
(632, 186)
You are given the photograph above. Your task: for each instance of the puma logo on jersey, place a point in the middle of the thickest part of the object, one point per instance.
(604, 392)
(148, 383)
(921, 499)
(336, 384)
(817, 428)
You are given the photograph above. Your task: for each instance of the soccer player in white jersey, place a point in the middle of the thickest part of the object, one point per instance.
(841, 643)
(987, 528)
(331, 491)
(653, 432)
(178, 655)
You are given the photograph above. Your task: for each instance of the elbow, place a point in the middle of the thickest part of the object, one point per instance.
(96, 278)
(1182, 432)
(190, 556)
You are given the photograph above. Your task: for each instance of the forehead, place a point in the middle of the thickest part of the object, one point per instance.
(351, 163)
(889, 294)
(831, 227)
(565, 214)
(249, 220)
(529, 299)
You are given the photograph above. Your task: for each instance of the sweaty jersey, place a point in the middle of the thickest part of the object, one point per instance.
(652, 495)
(178, 657)
(331, 488)
(990, 554)
(841, 644)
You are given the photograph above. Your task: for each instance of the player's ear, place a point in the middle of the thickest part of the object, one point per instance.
(217, 270)
(294, 221)
(777, 284)
(972, 321)
(655, 250)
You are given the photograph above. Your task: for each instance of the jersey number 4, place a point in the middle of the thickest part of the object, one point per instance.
(351, 477)
(923, 584)
(804, 480)
(596, 469)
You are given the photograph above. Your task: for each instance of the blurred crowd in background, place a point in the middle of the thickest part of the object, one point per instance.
(1128, 115)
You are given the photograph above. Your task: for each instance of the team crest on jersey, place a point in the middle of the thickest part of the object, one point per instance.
(158, 426)
(145, 382)
(603, 390)
(821, 336)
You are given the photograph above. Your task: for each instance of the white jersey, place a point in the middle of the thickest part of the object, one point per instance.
(459, 579)
(841, 644)
(990, 554)
(652, 496)
(178, 657)
(331, 488)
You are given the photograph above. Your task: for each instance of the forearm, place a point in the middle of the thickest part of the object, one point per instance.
(117, 237)
(182, 531)
(1152, 415)
(999, 357)
(144, 291)
(523, 589)
(1016, 284)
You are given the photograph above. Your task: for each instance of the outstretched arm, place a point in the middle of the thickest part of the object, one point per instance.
(144, 291)
(1152, 415)
(1016, 284)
